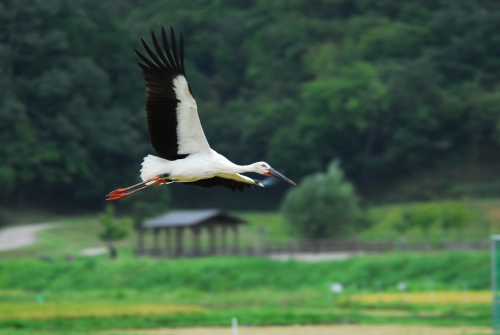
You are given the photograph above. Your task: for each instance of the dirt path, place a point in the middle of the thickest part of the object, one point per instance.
(314, 257)
(322, 330)
(21, 236)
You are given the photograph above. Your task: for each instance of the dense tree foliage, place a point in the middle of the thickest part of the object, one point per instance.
(324, 205)
(387, 86)
(70, 101)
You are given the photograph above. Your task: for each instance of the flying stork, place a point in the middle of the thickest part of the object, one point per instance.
(183, 154)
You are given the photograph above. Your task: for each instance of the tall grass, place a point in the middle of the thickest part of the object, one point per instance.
(73, 310)
(246, 316)
(426, 298)
(445, 270)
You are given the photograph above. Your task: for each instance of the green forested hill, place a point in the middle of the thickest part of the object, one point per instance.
(389, 87)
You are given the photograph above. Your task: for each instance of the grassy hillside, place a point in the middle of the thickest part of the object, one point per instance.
(481, 219)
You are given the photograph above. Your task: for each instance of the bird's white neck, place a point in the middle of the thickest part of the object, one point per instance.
(244, 168)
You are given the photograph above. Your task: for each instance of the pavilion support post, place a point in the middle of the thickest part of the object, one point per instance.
(224, 239)
(168, 243)
(236, 239)
(196, 241)
(211, 233)
(156, 250)
(178, 243)
(140, 241)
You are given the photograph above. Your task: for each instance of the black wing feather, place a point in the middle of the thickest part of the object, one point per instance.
(147, 61)
(161, 101)
(158, 49)
(174, 47)
(166, 46)
(182, 54)
(231, 184)
(152, 55)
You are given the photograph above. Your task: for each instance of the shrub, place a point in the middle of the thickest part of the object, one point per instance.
(425, 217)
(455, 215)
(323, 205)
(113, 229)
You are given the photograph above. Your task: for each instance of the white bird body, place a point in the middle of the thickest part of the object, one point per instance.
(195, 167)
(183, 152)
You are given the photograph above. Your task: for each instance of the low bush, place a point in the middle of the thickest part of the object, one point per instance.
(323, 205)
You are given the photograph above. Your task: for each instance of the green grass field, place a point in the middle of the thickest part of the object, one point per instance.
(255, 307)
(41, 293)
(99, 294)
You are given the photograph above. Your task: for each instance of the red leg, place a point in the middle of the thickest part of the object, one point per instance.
(121, 190)
(120, 193)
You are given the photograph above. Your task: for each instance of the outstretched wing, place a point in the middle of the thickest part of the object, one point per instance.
(173, 123)
(233, 181)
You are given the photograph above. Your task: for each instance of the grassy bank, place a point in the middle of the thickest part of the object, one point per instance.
(443, 270)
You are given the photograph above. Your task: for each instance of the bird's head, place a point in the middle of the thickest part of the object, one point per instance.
(266, 169)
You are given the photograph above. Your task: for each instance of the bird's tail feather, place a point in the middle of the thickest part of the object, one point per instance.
(153, 166)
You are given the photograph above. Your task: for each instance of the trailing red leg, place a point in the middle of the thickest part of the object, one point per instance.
(120, 193)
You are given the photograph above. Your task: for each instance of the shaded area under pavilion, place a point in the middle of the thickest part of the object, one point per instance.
(174, 225)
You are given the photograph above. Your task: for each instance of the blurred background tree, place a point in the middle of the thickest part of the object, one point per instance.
(324, 205)
(113, 229)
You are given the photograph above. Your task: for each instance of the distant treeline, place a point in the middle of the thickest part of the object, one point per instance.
(386, 86)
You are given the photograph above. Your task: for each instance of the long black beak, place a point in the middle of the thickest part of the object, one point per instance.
(276, 174)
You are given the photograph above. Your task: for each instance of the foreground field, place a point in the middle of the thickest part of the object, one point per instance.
(142, 293)
(98, 294)
(427, 298)
(73, 310)
(286, 330)
(93, 310)
(324, 330)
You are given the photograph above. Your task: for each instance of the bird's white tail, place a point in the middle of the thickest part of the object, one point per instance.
(153, 166)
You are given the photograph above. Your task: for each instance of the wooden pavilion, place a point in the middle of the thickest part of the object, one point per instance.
(179, 222)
